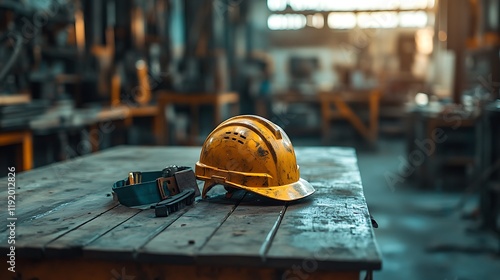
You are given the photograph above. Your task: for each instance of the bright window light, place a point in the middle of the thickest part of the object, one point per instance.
(286, 22)
(316, 21)
(343, 14)
(421, 99)
(339, 6)
(378, 20)
(368, 5)
(413, 19)
(341, 20)
(349, 5)
(313, 5)
(413, 4)
(299, 5)
(277, 5)
(423, 38)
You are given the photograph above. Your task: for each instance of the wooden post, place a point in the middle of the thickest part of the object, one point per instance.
(24, 138)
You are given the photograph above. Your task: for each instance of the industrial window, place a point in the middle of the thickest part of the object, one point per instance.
(340, 14)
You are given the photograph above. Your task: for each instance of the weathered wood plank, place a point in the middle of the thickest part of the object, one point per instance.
(181, 241)
(333, 229)
(326, 235)
(47, 188)
(72, 242)
(113, 159)
(330, 230)
(122, 242)
(72, 184)
(33, 235)
(246, 233)
(37, 194)
(50, 186)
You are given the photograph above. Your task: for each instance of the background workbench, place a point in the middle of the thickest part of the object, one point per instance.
(69, 227)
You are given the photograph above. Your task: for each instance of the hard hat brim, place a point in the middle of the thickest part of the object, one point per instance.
(290, 192)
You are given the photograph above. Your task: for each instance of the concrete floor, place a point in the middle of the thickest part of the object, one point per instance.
(416, 238)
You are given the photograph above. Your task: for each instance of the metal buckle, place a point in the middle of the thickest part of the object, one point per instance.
(171, 186)
(159, 185)
(134, 178)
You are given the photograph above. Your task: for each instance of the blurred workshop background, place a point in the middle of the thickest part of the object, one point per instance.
(413, 85)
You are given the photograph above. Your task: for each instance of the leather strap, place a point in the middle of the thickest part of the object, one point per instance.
(174, 203)
(154, 186)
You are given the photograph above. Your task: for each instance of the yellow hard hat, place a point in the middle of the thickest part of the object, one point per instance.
(253, 154)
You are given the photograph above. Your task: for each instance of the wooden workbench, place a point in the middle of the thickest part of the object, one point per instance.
(334, 106)
(194, 101)
(69, 227)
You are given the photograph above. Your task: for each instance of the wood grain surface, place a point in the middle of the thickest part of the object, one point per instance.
(66, 210)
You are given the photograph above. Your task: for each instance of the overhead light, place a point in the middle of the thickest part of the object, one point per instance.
(350, 5)
(414, 4)
(423, 39)
(316, 20)
(378, 20)
(421, 99)
(276, 5)
(413, 19)
(286, 22)
(341, 20)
